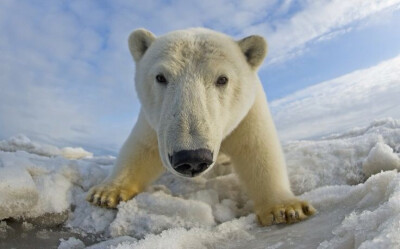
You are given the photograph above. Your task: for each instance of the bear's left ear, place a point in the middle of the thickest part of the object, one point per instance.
(254, 47)
(139, 41)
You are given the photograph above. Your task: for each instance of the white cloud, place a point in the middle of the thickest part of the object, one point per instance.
(319, 20)
(342, 103)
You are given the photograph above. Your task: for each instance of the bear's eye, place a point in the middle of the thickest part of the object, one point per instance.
(161, 79)
(222, 80)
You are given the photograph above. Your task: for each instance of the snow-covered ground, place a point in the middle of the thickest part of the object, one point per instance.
(351, 178)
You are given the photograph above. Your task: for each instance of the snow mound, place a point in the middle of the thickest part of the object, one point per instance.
(358, 204)
(152, 216)
(381, 158)
(374, 218)
(197, 238)
(349, 158)
(23, 143)
(362, 216)
(381, 126)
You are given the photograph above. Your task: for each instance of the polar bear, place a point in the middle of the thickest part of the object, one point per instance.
(201, 95)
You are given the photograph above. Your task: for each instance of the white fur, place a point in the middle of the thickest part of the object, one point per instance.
(192, 112)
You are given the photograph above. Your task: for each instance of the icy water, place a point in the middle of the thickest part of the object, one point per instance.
(24, 235)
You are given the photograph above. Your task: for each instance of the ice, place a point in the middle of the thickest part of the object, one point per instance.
(36, 180)
(351, 178)
(71, 243)
(17, 189)
(88, 218)
(32, 185)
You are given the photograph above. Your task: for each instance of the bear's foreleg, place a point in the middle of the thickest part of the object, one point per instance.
(258, 160)
(138, 164)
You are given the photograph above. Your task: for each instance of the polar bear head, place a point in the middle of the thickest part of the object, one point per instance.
(195, 87)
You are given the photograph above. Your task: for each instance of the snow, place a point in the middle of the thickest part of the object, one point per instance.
(351, 178)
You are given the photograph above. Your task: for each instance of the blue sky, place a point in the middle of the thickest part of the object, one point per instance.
(361, 47)
(66, 75)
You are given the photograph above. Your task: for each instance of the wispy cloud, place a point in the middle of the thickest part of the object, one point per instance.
(342, 103)
(317, 21)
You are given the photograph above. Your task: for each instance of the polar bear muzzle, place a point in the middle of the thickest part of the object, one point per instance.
(191, 163)
(195, 87)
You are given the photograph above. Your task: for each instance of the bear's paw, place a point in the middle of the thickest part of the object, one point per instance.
(109, 195)
(288, 212)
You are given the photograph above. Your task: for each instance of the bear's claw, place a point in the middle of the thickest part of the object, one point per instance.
(109, 195)
(289, 212)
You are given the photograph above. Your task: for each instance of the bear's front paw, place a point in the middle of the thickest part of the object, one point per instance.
(109, 195)
(287, 212)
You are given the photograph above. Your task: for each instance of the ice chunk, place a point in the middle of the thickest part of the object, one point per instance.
(89, 218)
(18, 191)
(380, 158)
(38, 188)
(71, 243)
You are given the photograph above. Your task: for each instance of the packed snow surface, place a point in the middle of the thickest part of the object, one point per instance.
(351, 178)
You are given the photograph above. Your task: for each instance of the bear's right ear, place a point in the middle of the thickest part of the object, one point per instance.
(254, 48)
(139, 41)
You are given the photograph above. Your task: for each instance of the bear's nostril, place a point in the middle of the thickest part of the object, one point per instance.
(202, 167)
(183, 167)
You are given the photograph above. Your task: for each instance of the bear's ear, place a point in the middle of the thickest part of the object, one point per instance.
(254, 47)
(139, 41)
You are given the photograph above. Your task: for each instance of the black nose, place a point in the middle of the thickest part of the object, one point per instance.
(191, 162)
